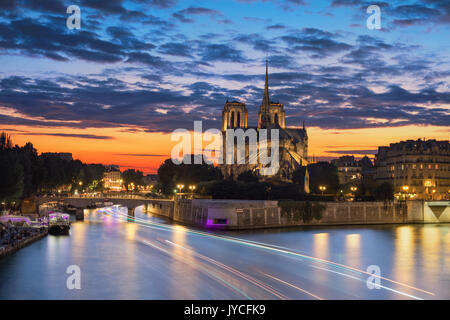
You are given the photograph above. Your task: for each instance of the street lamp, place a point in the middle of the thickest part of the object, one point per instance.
(192, 188)
(353, 189)
(405, 191)
(322, 188)
(180, 187)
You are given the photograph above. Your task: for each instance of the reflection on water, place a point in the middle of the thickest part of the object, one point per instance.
(353, 247)
(321, 245)
(154, 259)
(404, 254)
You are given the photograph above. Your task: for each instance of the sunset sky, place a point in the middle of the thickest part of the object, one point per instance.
(113, 91)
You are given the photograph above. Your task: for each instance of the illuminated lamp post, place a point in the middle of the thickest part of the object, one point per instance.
(405, 190)
(322, 188)
(353, 189)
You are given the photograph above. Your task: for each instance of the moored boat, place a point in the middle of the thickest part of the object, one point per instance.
(58, 223)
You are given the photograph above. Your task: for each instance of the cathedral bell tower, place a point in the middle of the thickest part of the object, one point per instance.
(234, 115)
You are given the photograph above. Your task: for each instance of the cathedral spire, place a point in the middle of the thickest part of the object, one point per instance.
(266, 85)
(265, 105)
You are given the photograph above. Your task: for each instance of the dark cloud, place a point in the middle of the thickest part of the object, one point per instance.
(162, 3)
(199, 11)
(320, 43)
(276, 27)
(185, 15)
(287, 5)
(176, 49)
(141, 47)
(221, 52)
(70, 135)
(351, 152)
(258, 42)
(110, 6)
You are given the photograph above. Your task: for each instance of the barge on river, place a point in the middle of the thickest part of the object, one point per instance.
(58, 223)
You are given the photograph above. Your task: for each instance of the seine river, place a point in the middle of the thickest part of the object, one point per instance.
(150, 258)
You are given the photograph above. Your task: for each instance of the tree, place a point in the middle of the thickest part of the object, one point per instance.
(132, 176)
(28, 158)
(170, 174)
(5, 141)
(320, 174)
(12, 177)
(384, 192)
(248, 176)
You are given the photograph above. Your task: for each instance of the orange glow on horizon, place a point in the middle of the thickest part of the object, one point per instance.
(145, 151)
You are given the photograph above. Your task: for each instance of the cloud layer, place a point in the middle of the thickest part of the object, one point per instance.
(164, 64)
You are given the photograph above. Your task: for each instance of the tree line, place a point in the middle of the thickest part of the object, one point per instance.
(209, 181)
(24, 173)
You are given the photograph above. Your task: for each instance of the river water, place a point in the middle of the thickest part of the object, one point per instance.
(151, 258)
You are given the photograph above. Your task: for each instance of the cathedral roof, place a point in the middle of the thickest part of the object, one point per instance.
(298, 135)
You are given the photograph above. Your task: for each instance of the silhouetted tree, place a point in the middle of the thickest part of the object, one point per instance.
(132, 176)
(5, 141)
(170, 174)
(12, 177)
(320, 174)
(384, 192)
(248, 176)
(11, 171)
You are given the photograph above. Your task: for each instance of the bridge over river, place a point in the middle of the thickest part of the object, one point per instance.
(131, 202)
(250, 214)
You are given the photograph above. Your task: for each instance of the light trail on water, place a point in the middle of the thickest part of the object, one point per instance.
(271, 248)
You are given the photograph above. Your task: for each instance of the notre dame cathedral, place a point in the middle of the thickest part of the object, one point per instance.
(293, 143)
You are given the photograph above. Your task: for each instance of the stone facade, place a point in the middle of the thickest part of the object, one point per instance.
(417, 169)
(351, 170)
(293, 143)
(112, 180)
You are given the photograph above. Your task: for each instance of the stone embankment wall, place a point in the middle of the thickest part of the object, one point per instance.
(11, 248)
(242, 214)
